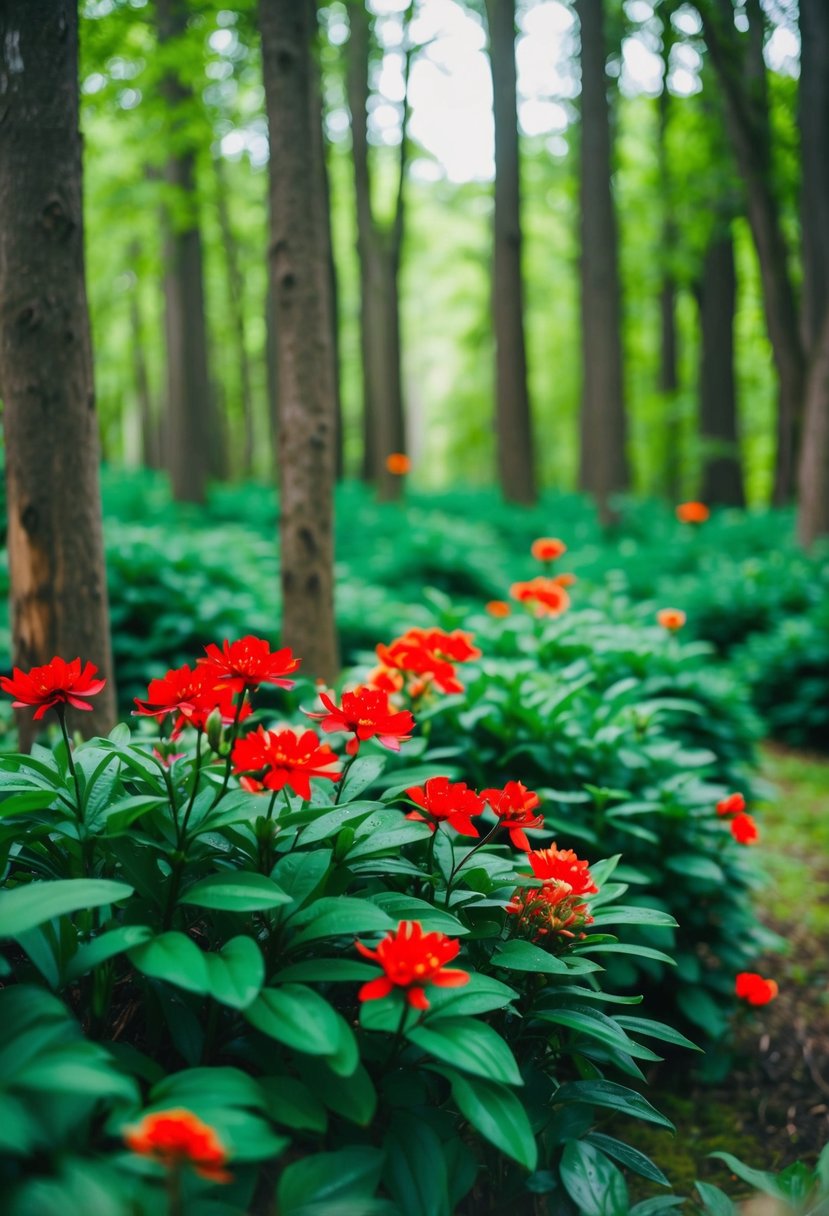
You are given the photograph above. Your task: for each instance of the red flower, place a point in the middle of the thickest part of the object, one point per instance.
(283, 757)
(551, 908)
(671, 618)
(562, 866)
(249, 663)
(220, 699)
(398, 464)
(192, 695)
(365, 713)
(430, 654)
(56, 683)
(447, 802)
(410, 959)
(753, 988)
(386, 680)
(498, 608)
(734, 804)
(744, 829)
(547, 548)
(177, 1136)
(547, 594)
(514, 805)
(692, 513)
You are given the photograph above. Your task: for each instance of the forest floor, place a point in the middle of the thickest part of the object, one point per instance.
(773, 1107)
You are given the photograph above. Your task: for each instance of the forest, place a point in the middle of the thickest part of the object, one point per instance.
(415, 623)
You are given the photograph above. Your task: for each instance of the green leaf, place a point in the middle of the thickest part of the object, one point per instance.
(363, 772)
(175, 958)
(612, 1096)
(415, 1173)
(20, 1131)
(656, 1030)
(298, 1017)
(633, 916)
(325, 1178)
(342, 917)
(291, 1103)
(626, 948)
(42, 950)
(328, 970)
(235, 976)
(106, 946)
(329, 822)
(77, 1068)
(656, 1205)
(407, 907)
(759, 1179)
(692, 865)
(524, 956)
(27, 907)
(495, 1112)
(356, 1100)
(714, 1201)
(594, 1184)
(214, 1086)
(700, 1008)
(122, 814)
(470, 1045)
(596, 1025)
(482, 994)
(301, 873)
(236, 892)
(628, 1156)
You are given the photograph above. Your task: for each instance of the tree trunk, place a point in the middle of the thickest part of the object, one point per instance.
(603, 466)
(668, 379)
(813, 120)
(188, 382)
(813, 479)
(150, 453)
(299, 273)
(55, 542)
(722, 482)
(516, 471)
(379, 251)
(742, 78)
(236, 315)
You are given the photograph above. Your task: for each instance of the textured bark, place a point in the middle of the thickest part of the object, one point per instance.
(813, 479)
(742, 77)
(299, 274)
(189, 409)
(379, 251)
(668, 380)
(55, 541)
(722, 482)
(150, 446)
(516, 471)
(603, 465)
(235, 301)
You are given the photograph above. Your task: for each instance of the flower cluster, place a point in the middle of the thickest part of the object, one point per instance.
(365, 713)
(410, 960)
(178, 1137)
(546, 595)
(753, 988)
(742, 826)
(455, 804)
(273, 759)
(423, 658)
(557, 906)
(55, 684)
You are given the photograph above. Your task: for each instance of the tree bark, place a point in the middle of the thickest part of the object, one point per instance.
(189, 406)
(722, 482)
(299, 274)
(603, 465)
(668, 378)
(513, 419)
(55, 540)
(150, 446)
(813, 479)
(379, 250)
(742, 77)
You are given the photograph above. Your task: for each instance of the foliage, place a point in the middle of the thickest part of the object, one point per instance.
(798, 1190)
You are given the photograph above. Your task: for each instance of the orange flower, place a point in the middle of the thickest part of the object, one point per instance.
(671, 618)
(734, 804)
(429, 655)
(175, 1137)
(514, 806)
(365, 713)
(411, 958)
(498, 608)
(744, 829)
(565, 580)
(398, 464)
(753, 988)
(449, 802)
(57, 683)
(547, 548)
(692, 513)
(562, 866)
(547, 594)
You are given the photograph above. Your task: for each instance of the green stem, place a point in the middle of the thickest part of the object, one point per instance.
(233, 732)
(398, 1034)
(83, 838)
(459, 865)
(343, 775)
(193, 792)
(181, 839)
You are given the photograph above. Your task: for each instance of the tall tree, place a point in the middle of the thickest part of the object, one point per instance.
(668, 377)
(516, 471)
(55, 540)
(379, 246)
(235, 298)
(150, 454)
(190, 414)
(603, 464)
(300, 275)
(722, 479)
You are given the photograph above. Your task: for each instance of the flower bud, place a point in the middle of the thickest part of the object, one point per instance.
(213, 728)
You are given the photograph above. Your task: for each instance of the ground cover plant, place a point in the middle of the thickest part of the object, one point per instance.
(241, 965)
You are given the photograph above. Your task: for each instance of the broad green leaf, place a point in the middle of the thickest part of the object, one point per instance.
(629, 1156)
(407, 907)
(714, 1201)
(470, 1045)
(415, 1173)
(301, 873)
(482, 994)
(330, 970)
(659, 956)
(655, 1030)
(362, 773)
(355, 1099)
(761, 1180)
(594, 1184)
(328, 823)
(495, 1112)
(700, 1008)
(20, 1130)
(175, 958)
(122, 814)
(596, 1025)
(27, 907)
(106, 946)
(293, 1104)
(298, 1017)
(694, 865)
(612, 1096)
(216, 1086)
(341, 917)
(237, 891)
(524, 956)
(633, 916)
(325, 1178)
(78, 1067)
(235, 976)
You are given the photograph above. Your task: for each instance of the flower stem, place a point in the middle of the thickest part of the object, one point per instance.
(193, 792)
(398, 1034)
(343, 775)
(83, 838)
(233, 732)
(459, 865)
(181, 839)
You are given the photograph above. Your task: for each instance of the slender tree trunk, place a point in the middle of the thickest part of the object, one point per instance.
(299, 273)
(379, 252)
(722, 482)
(668, 380)
(55, 542)
(272, 370)
(150, 454)
(236, 315)
(604, 468)
(813, 480)
(742, 77)
(516, 471)
(188, 382)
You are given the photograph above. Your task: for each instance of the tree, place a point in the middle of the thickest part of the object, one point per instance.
(55, 540)
(722, 478)
(603, 464)
(668, 377)
(516, 470)
(300, 275)
(379, 248)
(188, 383)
